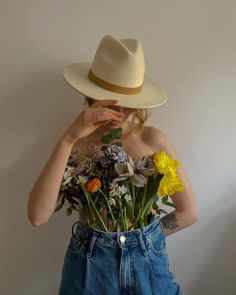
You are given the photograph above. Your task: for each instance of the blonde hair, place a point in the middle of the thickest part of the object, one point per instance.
(138, 115)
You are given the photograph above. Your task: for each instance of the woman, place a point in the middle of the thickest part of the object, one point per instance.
(96, 262)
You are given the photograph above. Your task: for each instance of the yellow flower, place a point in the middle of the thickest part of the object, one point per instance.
(170, 184)
(164, 164)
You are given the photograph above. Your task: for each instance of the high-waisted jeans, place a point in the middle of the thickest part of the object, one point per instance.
(118, 263)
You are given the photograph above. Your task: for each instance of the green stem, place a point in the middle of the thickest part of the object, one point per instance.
(137, 218)
(127, 184)
(144, 195)
(136, 192)
(89, 200)
(141, 221)
(98, 215)
(122, 216)
(96, 199)
(113, 219)
(125, 219)
(133, 198)
(146, 207)
(86, 195)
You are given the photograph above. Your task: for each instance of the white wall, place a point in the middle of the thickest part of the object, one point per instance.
(190, 50)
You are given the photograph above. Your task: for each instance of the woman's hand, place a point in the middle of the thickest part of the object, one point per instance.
(91, 118)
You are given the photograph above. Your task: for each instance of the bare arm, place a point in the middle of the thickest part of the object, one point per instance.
(44, 194)
(185, 212)
(175, 221)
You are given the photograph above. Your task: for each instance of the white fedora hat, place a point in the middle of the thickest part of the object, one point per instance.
(117, 72)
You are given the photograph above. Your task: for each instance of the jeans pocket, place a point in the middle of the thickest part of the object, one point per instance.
(157, 245)
(76, 245)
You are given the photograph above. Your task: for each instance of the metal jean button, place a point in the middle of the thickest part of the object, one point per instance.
(122, 238)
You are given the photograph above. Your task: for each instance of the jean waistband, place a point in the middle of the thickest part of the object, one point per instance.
(111, 238)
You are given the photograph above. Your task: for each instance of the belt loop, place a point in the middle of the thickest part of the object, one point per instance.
(141, 243)
(91, 245)
(72, 229)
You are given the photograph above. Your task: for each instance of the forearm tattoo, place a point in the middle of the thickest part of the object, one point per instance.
(169, 221)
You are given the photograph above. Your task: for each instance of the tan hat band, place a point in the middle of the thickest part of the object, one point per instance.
(112, 87)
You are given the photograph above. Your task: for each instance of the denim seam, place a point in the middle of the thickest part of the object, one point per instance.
(91, 246)
(142, 243)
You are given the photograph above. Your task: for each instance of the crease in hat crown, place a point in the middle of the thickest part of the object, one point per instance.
(119, 62)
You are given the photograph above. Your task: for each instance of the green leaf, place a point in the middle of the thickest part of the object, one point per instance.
(116, 132)
(107, 138)
(170, 204)
(152, 185)
(149, 208)
(155, 206)
(69, 211)
(165, 199)
(140, 193)
(58, 207)
(162, 211)
(137, 208)
(141, 222)
(129, 208)
(75, 200)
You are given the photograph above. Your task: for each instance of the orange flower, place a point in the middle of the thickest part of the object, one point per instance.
(93, 185)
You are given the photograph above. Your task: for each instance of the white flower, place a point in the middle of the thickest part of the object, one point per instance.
(114, 190)
(122, 189)
(128, 197)
(82, 179)
(68, 179)
(68, 174)
(112, 201)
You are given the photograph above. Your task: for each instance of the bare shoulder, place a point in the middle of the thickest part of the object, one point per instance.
(184, 201)
(158, 140)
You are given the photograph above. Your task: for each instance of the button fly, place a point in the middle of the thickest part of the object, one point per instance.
(122, 238)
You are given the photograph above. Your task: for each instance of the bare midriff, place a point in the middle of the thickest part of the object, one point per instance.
(108, 223)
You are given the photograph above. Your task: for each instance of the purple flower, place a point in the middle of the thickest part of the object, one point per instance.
(105, 162)
(73, 160)
(93, 150)
(115, 153)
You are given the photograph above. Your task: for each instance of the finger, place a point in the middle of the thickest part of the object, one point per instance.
(120, 114)
(104, 102)
(98, 114)
(104, 110)
(98, 124)
(105, 116)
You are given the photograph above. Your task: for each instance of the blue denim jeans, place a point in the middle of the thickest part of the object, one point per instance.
(118, 263)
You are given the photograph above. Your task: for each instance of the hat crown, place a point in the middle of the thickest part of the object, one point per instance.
(117, 71)
(119, 61)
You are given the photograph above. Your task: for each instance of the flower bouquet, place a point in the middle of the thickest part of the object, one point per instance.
(114, 193)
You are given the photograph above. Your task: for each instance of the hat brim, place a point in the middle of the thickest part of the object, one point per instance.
(151, 95)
